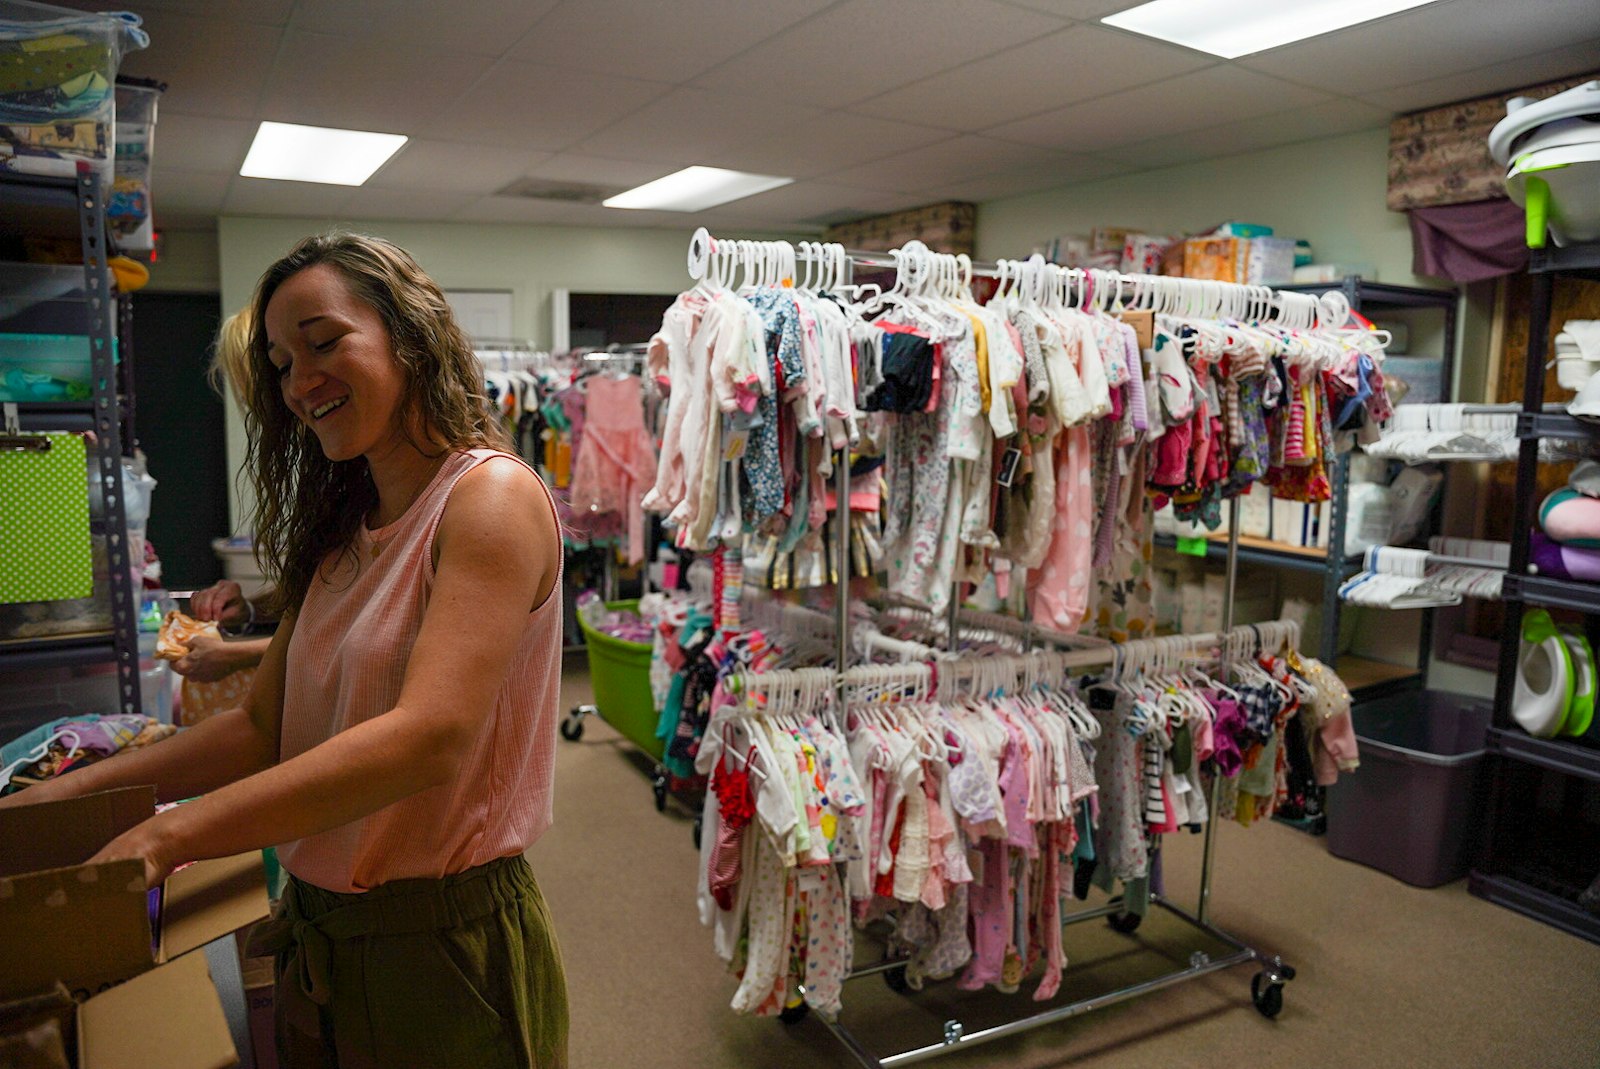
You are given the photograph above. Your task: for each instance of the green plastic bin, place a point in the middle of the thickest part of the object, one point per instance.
(619, 672)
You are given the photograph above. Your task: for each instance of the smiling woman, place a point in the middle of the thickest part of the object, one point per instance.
(398, 740)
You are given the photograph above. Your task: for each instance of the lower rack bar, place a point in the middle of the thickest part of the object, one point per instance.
(955, 1037)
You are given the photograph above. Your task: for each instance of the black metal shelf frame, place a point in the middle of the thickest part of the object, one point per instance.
(58, 207)
(1505, 740)
(1277, 558)
(1558, 755)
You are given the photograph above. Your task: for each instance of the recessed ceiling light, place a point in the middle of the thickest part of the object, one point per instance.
(318, 154)
(694, 189)
(1231, 28)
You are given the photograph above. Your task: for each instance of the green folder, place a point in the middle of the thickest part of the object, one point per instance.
(45, 553)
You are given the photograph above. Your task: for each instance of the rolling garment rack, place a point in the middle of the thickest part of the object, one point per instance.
(914, 263)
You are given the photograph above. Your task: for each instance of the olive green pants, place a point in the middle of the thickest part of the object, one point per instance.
(431, 974)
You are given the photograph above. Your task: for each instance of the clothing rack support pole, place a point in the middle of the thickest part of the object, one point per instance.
(1214, 794)
(841, 515)
(841, 519)
(953, 617)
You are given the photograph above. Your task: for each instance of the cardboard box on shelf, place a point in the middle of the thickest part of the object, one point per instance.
(94, 926)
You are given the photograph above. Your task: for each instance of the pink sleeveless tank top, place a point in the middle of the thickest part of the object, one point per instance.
(347, 661)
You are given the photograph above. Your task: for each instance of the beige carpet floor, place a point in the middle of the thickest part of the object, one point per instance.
(1388, 975)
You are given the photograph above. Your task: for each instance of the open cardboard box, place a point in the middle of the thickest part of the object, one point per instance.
(94, 927)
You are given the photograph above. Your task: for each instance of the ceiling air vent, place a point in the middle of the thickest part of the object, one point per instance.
(564, 192)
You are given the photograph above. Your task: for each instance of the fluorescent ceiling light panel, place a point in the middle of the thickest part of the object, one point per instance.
(1231, 28)
(318, 154)
(694, 189)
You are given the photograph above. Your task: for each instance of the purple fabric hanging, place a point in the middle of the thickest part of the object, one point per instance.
(1469, 242)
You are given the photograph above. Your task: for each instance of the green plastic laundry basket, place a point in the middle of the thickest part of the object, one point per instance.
(619, 672)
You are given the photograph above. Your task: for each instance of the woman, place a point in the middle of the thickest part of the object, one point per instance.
(399, 736)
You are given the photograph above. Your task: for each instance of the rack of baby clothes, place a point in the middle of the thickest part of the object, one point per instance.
(1020, 441)
(956, 806)
(994, 429)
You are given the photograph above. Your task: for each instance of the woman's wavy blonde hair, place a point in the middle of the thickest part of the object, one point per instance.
(229, 370)
(307, 506)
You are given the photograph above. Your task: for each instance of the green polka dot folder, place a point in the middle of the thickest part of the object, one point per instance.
(44, 523)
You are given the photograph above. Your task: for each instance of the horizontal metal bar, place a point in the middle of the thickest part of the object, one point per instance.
(1091, 914)
(1063, 1013)
(857, 972)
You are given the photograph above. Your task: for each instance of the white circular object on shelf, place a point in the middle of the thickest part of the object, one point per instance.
(1544, 680)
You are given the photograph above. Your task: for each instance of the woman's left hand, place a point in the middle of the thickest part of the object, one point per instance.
(143, 842)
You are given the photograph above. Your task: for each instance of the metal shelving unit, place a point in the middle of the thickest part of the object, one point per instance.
(1364, 296)
(73, 209)
(1537, 882)
(1272, 554)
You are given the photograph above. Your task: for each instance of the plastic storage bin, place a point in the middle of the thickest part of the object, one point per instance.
(1409, 809)
(619, 672)
(57, 98)
(45, 367)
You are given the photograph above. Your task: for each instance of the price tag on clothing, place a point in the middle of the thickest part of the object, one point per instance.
(1194, 547)
(1009, 461)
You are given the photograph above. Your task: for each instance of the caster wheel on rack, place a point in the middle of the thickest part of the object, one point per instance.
(1126, 923)
(794, 1014)
(895, 978)
(572, 726)
(699, 825)
(659, 787)
(1267, 993)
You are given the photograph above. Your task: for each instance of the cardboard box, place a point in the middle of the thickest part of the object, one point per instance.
(91, 927)
(169, 1016)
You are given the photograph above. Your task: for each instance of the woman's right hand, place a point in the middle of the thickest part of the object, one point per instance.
(223, 602)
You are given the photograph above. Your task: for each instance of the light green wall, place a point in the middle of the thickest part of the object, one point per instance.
(530, 261)
(187, 262)
(1329, 192)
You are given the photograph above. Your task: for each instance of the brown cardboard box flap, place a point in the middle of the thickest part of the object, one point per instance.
(169, 1017)
(53, 835)
(87, 926)
(210, 899)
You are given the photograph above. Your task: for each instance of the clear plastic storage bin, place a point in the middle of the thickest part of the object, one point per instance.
(57, 99)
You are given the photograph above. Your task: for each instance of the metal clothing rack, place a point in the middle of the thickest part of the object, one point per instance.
(1267, 984)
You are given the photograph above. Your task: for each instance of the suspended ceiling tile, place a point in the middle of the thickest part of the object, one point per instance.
(266, 196)
(1177, 105)
(368, 203)
(537, 108)
(829, 142)
(200, 143)
(687, 126)
(862, 48)
(1017, 181)
(1328, 119)
(1077, 9)
(422, 165)
(668, 42)
(954, 160)
(212, 66)
(1430, 42)
(1548, 66)
(545, 212)
(360, 84)
(188, 192)
(1075, 64)
(806, 203)
(597, 171)
(481, 27)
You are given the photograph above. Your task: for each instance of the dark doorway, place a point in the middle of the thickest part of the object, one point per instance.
(601, 319)
(180, 426)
